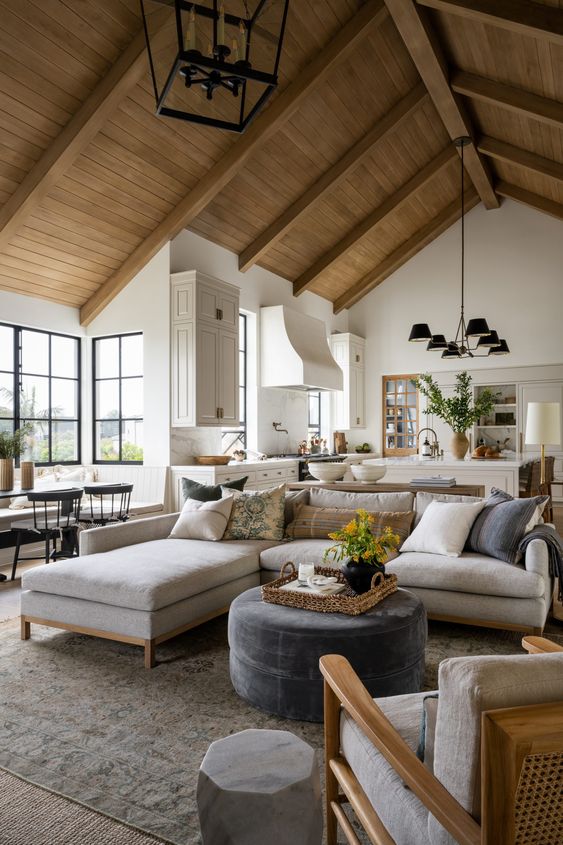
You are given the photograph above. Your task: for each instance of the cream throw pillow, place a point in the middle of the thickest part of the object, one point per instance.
(443, 529)
(202, 520)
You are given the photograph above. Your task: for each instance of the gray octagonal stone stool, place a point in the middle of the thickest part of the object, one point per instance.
(259, 787)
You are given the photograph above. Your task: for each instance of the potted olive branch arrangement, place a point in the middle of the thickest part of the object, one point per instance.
(459, 411)
(365, 553)
(11, 447)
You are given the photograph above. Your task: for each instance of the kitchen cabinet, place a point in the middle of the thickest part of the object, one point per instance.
(262, 475)
(204, 354)
(348, 406)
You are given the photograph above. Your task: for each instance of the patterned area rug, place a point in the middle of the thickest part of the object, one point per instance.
(82, 717)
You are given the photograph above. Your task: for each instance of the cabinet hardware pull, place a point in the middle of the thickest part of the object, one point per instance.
(219, 313)
(357, 420)
(357, 359)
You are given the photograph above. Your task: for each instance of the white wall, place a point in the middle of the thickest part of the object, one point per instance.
(144, 305)
(514, 265)
(39, 314)
(258, 288)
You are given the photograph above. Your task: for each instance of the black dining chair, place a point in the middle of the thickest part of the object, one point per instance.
(106, 503)
(56, 516)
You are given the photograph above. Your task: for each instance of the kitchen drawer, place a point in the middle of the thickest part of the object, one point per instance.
(274, 474)
(292, 472)
(222, 477)
(263, 485)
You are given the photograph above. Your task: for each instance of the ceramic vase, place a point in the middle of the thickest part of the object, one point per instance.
(459, 445)
(359, 575)
(27, 469)
(6, 473)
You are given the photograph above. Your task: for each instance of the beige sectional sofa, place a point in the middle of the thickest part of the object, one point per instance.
(132, 583)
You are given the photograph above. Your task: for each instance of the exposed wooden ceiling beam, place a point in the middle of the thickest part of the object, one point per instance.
(351, 159)
(520, 16)
(402, 254)
(83, 126)
(379, 214)
(514, 192)
(427, 55)
(513, 99)
(522, 158)
(344, 44)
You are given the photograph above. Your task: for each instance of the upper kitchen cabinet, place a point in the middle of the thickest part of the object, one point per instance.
(204, 354)
(348, 405)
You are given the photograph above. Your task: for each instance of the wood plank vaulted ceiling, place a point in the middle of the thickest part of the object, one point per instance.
(345, 175)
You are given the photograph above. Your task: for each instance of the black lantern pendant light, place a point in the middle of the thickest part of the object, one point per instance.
(202, 59)
(488, 342)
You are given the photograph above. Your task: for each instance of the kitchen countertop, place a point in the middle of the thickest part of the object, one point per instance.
(449, 462)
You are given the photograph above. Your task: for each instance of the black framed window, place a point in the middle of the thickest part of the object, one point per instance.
(40, 389)
(314, 414)
(235, 437)
(118, 398)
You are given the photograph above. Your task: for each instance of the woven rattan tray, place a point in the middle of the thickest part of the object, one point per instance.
(346, 602)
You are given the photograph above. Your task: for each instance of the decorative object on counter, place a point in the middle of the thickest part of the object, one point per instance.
(302, 449)
(315, 446)
(27, 473)
(327, 470)
(486, 341)
(364, 553)
(340, 444)
(239, 455)
(543, 426)
(212, 460)
(368, 473)
(363, 447)
(11, 447)
(459, 411)
(216, 50)
(434, 481)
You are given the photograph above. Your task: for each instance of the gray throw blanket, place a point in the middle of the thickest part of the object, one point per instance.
(554, 550)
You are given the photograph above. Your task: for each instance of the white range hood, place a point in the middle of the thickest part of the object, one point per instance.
(295, 353)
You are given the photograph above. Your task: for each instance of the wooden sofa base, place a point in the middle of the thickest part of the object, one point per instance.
(486, 623)
(149, 646)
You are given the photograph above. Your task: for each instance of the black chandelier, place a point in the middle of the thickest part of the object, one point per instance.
(473, 339)
(213, 51)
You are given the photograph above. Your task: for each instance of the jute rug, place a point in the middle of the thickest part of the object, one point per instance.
(82, 717)
(31, 815)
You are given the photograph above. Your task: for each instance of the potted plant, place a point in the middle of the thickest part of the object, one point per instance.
(459, 411)
(11, 447)
(365, 553)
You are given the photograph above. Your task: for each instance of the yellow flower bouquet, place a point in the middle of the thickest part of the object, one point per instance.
(364, 553)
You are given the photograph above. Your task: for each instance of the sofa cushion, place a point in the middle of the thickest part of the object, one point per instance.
(209, 492)
(321, 498)
(202, 520)
(404, 816)
(317, 523)
(443, 529)
(256, 514)
(423, 499)
(468, 573)
(469, 686)
(148, 576)
(500, 526)
(299, 551)
(294, 498)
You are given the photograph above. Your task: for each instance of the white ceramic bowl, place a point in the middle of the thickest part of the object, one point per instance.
(368, 473)
(327, 470)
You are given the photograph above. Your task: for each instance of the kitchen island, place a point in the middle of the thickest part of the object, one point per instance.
(503, 473)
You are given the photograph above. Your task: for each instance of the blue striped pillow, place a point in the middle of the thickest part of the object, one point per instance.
(502, 523)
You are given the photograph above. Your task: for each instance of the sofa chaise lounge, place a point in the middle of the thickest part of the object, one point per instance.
(134, 584)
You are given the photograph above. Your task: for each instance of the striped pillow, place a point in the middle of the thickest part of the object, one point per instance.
(312, 523)
(502, 523)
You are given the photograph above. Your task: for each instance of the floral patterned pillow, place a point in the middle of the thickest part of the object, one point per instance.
(256, 514)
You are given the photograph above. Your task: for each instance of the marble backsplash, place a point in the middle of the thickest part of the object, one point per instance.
(187, 442)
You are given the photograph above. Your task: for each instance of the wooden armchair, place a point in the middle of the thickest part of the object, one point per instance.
(516, 795)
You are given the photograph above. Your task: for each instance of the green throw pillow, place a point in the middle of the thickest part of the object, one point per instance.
(208, 492)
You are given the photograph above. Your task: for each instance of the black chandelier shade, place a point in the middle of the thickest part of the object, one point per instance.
(476, 329)
(209, 65)
(420, 333)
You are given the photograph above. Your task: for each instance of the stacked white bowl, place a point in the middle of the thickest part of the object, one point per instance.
(368, 473)
(327, 470)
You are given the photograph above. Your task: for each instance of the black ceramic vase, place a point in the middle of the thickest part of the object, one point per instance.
(359, 575)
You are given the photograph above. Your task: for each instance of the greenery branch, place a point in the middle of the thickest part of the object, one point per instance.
(461, 410)
(12, 445)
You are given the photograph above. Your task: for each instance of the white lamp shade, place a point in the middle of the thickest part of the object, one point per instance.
(543, 423)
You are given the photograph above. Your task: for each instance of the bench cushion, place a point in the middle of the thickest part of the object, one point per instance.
(148, 576)
(468, 573)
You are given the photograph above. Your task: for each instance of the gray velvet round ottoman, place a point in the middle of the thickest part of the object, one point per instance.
(275, 651)
(259, 788)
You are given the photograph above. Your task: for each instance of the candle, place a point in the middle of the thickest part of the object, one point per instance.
(221, 25)
(190, 39)
(242, 30)
(305, 571)
(26, 475)
(234, 51)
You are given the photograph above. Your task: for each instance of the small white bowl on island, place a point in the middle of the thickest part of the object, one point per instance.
(368, 473)
(327, 470)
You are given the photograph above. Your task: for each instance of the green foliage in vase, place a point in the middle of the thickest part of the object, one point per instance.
(461, 410)
(12, 445)
(356, 542)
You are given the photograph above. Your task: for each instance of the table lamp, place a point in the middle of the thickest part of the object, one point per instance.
(543, 425)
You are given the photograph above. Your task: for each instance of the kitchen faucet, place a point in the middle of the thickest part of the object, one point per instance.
(435, 446)
(277, 428)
